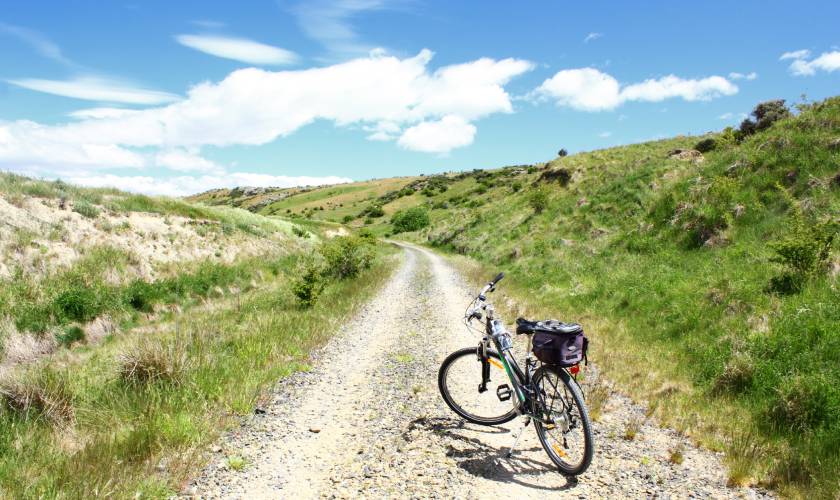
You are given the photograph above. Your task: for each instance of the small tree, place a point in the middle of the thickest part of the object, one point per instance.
(538, 200)
(765, 114)
(562, 152)
(804, 250)
(410, 220)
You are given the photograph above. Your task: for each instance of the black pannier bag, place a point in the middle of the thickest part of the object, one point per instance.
(554, 342)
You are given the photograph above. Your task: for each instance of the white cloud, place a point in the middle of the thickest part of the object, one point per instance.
(181, 160)
(37, 41)
(388, 97)
(672, 86)
(604, 135)
(439, 136)
(329, 22)
(96, 89)
(94, 113)
(726, 116)
(592, 36)
(827, 61)
(796, 54)
(238, 49)
(585, 89)
(743, 76)
(588, 89)
(185, 185)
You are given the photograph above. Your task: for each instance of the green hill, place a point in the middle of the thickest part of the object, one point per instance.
(708, 280)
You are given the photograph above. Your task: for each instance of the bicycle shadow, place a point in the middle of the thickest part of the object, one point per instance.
(484, 460)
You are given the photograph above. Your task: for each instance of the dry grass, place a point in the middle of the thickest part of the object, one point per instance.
(153, 361)
(744, 452)
(42, 396)
(676, 455)
(631, 430)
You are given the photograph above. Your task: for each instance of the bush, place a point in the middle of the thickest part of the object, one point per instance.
(300, 232)
(78, 302)
(70, 335)
(141, 295)
(411, 219)
(347, 219)
(706, 145)
(85, 209)
(765, 114)
(373, 211)
(310, 282)
(803, 251)
(804, 403)
(562, 153)
(345, 256)
(538, 200)
(516, 186)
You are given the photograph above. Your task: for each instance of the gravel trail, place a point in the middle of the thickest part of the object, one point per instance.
(367, 421)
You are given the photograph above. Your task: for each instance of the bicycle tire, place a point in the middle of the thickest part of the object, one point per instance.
(443, 386)
(583, 414)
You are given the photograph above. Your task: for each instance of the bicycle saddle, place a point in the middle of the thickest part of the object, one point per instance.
(546, 326)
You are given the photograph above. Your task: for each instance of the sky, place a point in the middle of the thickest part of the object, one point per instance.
(175, 98)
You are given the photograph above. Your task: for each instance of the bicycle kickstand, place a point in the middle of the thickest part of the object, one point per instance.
(518, 436)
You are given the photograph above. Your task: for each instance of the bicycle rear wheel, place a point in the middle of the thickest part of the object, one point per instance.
(459, 380)
(568, 439)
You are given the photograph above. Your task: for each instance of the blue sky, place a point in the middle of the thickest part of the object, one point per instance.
(178, 97)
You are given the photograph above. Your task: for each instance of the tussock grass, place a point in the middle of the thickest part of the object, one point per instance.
(43, 395)
(145, 405)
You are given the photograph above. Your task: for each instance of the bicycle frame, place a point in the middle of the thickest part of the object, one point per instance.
(521, 380)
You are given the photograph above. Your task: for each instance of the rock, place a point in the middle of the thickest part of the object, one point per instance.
(314, 430)
(686, 155)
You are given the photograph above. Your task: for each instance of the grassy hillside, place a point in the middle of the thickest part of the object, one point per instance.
(133, 330)
(709, 281)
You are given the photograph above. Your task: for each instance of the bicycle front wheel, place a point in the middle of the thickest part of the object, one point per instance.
(567, 439)
(460, 383)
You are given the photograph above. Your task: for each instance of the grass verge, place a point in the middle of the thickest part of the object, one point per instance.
(137, 411)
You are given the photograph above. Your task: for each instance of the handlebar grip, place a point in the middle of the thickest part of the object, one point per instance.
(498, 278)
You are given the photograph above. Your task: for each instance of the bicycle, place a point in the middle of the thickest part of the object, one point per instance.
(546, 393)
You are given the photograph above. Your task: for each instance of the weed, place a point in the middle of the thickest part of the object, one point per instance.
(676, 454)
(85, 209)
(632, 428)
(70, 335)
(236, 462)
(154, 361)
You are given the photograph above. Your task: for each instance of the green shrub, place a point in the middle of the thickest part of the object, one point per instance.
(70, 335)
(345, 256)
(706, 145)
(300, 232)
(804, 403)
(803, 251)
(412, 219)
(78, 301)
(142, 295)
(765, 114)
(347, 219)
(538, 199)
(310, 282)
(516, 186)
(85, 209)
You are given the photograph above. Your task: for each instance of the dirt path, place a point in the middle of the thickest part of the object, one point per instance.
(367, 421)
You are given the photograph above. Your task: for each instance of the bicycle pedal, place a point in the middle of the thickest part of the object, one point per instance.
(503, 392)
